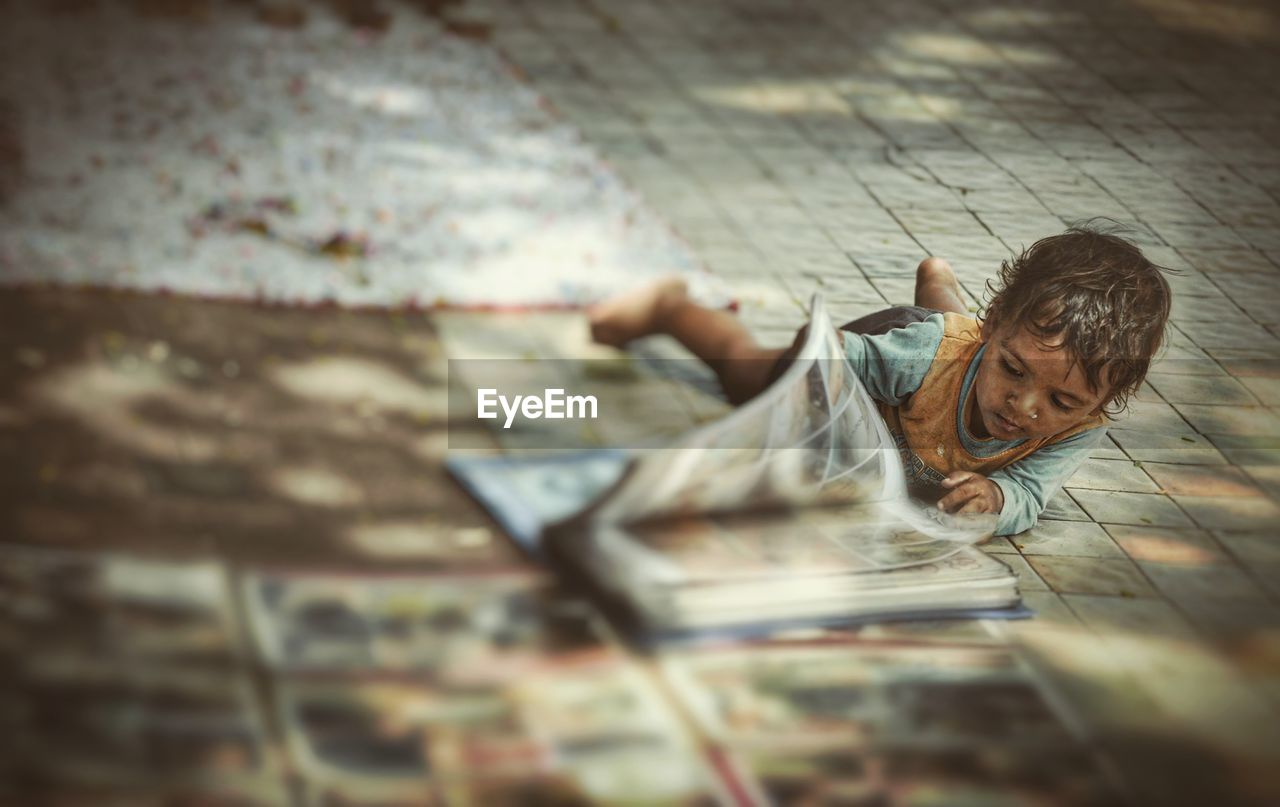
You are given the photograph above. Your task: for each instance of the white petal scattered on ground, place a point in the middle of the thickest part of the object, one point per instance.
(231, 159)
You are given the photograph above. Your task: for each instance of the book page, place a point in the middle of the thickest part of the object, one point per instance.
(815, 436)
(866, 546)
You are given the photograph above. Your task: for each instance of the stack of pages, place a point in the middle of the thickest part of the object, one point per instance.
(792, 510)
(822, 566)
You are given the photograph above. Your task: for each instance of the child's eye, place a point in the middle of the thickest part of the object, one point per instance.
(1061, 404)
(1010, 369)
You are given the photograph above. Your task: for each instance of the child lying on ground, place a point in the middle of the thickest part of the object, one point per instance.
(991, 415)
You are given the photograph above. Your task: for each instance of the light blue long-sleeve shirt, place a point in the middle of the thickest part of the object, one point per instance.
(893, 365)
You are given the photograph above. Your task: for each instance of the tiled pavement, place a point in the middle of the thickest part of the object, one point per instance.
(796, 146)
(802, 146)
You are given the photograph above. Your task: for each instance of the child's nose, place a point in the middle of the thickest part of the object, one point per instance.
(1028, 405)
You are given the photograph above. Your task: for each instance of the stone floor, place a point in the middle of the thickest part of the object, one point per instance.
(796, 147)
(815, 146)
(829, 146)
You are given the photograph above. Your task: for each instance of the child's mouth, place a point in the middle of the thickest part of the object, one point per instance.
(1006, 425)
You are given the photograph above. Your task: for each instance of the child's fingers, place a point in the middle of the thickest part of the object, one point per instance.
(977, 504)
(957, 478)
(956, 498)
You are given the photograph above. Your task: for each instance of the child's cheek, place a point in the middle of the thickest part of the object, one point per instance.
(989, 392)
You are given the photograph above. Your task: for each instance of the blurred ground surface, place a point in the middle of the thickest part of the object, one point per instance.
(214, 154)
(795, 146)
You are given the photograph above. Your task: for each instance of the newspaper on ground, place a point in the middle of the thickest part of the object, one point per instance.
(791, 510)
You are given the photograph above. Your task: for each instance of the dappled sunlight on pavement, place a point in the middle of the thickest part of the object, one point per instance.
(234, 569)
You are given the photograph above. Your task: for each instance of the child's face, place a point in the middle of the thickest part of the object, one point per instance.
(1027, 389)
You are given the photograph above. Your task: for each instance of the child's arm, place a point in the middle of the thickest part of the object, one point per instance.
(1028, 484)
(892, 365)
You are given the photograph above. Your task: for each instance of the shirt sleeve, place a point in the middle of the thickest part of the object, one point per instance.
(892, 365)
(1029, 483)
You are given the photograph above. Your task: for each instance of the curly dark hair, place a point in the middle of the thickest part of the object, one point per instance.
(1095, 291)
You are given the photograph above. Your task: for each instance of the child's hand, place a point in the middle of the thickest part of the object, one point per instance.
(971, 493)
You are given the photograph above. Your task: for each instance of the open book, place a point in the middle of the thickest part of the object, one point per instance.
(791, 510)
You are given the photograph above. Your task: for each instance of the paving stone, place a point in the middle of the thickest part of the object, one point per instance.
(1118, 507)
(1202, 480)
(1068, 538)
(1106, 576)
(1266, 477)
(1137, 616)
(1226, 620)
(1228, 334)
(1186, 360)
(1234, 420)
(1184, 389)
(1248, 449)
(1186, 449)
(1152, 417)
(999, 545)
(1247, 362)
(1263, 285)
(1268, 576)
(878, 265)
(1112, 474)
(1028, 579)
(1108, 449)
(1217, 513)
(1182, 582)
(1265, 389)
(309, 435)
(1050, 609)
(1061, 507)
(897, 290)
(1215, 260)
(1168, 545)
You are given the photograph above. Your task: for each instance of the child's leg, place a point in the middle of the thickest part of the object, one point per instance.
(937, 287)
(715, 337)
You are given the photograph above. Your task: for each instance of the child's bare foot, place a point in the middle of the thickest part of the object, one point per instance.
(938, 288)
(637, 313)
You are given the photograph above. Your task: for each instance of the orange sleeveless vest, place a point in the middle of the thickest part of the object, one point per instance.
(925, 425)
